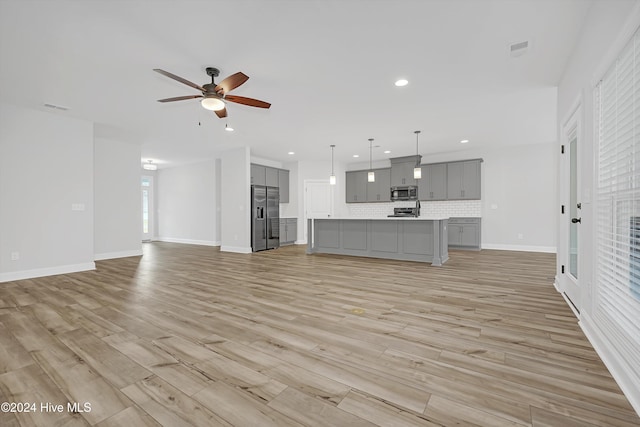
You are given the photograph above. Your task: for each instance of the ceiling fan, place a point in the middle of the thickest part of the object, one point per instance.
(215, 96)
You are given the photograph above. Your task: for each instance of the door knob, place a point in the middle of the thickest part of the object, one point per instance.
(574, 220)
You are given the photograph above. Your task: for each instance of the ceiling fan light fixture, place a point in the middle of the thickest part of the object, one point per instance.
(212, 103)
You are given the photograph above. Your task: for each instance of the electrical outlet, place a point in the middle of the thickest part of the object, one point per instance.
(15, 256)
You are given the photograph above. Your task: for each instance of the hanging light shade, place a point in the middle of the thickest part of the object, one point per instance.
(332, 177)
(417, 171)
(371, 176)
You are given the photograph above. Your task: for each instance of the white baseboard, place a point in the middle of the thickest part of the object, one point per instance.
(121, 254)
(49, 271)
(188, 241)
(236, 249)
(521, 248)
(620, 370)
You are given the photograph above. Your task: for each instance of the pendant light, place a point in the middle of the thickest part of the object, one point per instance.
(371, 176)
(417, 171)
(332, 177)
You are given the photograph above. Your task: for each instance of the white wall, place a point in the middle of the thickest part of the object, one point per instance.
(117, 200)
(235, 201)
(186, 204)
(602, 37)
(46, 166)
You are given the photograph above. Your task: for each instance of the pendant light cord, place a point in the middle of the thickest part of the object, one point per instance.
(332, 147)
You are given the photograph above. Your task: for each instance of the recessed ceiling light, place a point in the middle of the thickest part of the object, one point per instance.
(401, 82)
(356, 155)
(291, 153)
(464, 141)
(387, 151)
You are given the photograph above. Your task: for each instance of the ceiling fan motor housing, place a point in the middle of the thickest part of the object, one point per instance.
(213, 72)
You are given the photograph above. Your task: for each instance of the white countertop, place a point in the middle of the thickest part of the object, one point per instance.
(378, 218)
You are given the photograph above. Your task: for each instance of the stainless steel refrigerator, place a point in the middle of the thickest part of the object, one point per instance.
(265, 218)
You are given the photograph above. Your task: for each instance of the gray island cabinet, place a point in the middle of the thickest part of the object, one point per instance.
(409, 239)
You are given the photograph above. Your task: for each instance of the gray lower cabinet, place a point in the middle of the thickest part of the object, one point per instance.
(464, 233)
(463, 180)
(356, 186)
(433, 184)
(420, 240)
(283, 185)
(288, 231)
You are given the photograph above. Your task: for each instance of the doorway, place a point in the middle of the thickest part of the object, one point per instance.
(571, 218)
(318, 201)
(147, 208)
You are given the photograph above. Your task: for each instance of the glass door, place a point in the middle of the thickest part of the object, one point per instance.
(147, 208)
(574, 214)
(572, 219)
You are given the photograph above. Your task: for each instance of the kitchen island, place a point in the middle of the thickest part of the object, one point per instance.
(422, 239)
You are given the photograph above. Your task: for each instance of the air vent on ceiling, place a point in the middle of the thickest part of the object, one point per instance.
(519, 49)
(56, 107)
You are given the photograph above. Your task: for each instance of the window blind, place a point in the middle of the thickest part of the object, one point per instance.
(617, 214)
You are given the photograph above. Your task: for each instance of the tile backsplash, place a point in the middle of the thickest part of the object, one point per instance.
(451, 208)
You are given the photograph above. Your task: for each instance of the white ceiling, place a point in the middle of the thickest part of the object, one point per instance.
(327, 67)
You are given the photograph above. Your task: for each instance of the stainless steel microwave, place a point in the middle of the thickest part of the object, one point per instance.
(408, 192)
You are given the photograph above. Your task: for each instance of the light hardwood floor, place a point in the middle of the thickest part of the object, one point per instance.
(187, 335)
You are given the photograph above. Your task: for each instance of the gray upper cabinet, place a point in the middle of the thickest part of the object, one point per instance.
(402, 170)
(283, 185)
(258, 175)
(273, 177)
(433, 184)
(356, 186)
(380, 190)
(463, 180)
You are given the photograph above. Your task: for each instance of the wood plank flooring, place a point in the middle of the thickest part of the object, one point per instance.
(187, 335)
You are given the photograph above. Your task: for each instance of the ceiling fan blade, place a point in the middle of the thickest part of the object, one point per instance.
(231, 82)
(247, 101)
(221, 113)
(180, 79)
(179, 98)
